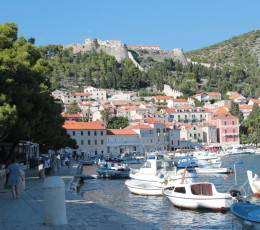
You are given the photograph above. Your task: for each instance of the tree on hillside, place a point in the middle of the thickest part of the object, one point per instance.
(253, 125)
(27, 110)
(234, 110)
(105, 116)
(118, 123)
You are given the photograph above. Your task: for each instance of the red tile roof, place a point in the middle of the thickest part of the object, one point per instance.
(162, 97)
(138, 126)
(217, 116)
(121, 132)
(179, 100)
(83, 125)
(256, 101)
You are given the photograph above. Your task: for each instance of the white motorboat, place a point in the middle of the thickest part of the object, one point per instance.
(213, 170)
(247, 214)
(198, 195)
(187, 161)
(113, 170)
(154, 175)
(145, 188)
(254, 183)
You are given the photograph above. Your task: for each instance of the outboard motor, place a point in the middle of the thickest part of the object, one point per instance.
(237, 194)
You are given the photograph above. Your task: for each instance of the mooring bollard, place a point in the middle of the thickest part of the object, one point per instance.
(21, 186)
(41, 170)
(54, 201)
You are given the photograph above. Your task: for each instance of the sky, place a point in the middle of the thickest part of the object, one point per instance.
(170, 24)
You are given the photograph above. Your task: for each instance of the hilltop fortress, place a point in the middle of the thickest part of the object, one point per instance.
(121, 51)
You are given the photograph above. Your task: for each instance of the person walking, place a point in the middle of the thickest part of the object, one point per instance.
(47, 166)
(14, 172)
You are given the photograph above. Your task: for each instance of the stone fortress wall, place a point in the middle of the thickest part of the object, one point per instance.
(120, 51)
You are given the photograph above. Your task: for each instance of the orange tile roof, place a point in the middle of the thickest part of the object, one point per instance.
(179, 100)
(257, 101)
(223, 109)
(80, 94)
(121, 132)
(162, 97)
(245, 106)
(83, 125)
(148, 120)
(235, 96)
(213, 93)
(71, 115)
(139, 127)
(226, 115)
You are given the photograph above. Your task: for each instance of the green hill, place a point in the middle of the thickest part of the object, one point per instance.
(241, 51)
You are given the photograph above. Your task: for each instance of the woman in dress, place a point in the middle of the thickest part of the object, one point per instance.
(14, 172)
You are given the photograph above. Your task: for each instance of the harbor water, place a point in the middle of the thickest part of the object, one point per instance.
(160, 212)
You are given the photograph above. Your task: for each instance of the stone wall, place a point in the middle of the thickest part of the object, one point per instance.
(120, 51)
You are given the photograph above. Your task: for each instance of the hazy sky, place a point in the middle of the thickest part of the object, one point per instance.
(187, 24)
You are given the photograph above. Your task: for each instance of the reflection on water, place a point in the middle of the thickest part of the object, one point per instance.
(159, 211)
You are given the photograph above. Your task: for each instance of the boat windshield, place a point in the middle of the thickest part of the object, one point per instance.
(166, 165)
(201, 189)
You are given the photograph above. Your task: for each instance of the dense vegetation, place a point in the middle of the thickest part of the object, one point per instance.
(27, 111)
(240, 55)
(102, 70)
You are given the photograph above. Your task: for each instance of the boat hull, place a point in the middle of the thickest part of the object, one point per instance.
(247, 215)
(254, 183)
(212, 170)
(220, 203)
(144, 189)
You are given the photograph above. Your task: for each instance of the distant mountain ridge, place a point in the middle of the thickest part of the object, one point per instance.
(243, 51)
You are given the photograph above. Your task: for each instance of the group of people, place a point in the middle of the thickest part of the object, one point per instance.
(50, 162)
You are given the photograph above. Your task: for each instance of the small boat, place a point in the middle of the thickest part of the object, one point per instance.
(254, 183)
(145, 188)
(212, 170)
(187, 161)
(86, 162)
(247, 214)
(201, 195)
(113, 170)
(155, 174)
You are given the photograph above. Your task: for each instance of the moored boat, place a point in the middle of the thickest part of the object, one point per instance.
(254, 182)
(154, 175)
(113, 171)
(201, 195)
(247, 214)
(213, 170)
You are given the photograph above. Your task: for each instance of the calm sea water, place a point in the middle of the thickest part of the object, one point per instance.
(160, 212)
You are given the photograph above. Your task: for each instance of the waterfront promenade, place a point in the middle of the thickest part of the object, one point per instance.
(28, 211)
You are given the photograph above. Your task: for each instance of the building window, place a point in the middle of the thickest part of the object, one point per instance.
(89, 142)
(82, 142)
(234, 130)
(95, 142)
(233, 123)
(101, 132)
(95, 133)
(88, 133)
(194, 128)
(73, 133)
(81, 133)
(102, 142)
(225, 123)
(225, 131)
(190, 135)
